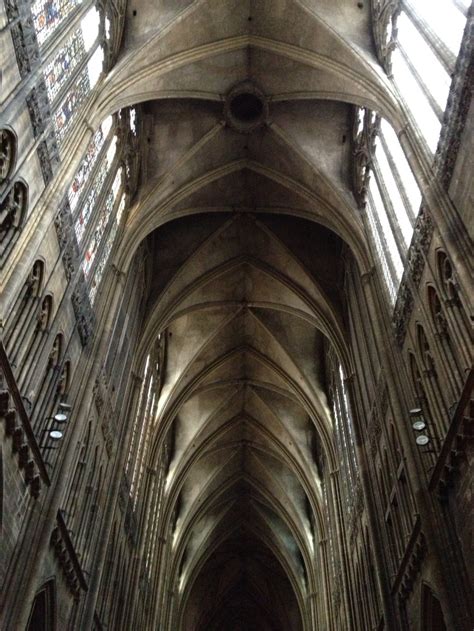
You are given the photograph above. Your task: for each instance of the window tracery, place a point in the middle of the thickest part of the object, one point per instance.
(417, 45)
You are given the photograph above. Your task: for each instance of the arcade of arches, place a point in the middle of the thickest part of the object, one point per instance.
(235, 302)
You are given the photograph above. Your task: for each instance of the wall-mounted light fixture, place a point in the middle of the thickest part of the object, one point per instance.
(418, 424)
(60, 417)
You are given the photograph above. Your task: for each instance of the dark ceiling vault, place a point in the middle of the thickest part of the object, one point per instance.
(246, 210)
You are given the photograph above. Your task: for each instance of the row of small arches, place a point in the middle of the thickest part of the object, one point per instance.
(13, 195)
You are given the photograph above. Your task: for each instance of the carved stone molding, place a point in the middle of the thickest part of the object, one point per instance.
(417, 252)
(457, 108)
(67, 240)
(402, 312)
(365, 128)
(23, 35)
(48, 156)
(384, 27)
(83, 311)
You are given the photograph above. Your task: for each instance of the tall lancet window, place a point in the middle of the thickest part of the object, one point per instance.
(388, 193)
(343, 426)
(425, 41)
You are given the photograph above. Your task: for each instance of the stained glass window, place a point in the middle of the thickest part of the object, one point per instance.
(67, 59)
(60, 69)
(102, 223)
(88, 162)
(64, 114)
(76, 95)
(48, 14)
(89, 204)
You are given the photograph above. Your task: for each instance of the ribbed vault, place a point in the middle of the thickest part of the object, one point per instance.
(247, 236)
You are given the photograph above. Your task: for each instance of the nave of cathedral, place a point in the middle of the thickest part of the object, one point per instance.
(235, 315)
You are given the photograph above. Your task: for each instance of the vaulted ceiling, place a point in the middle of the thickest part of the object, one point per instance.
(248, 218)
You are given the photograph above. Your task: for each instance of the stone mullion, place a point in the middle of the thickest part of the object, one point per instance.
(100, 200)
(444, 361)
(35, 380)
(438, 406)
(46, 394)
(390, 212)
(460, 332)
(326, 602)
(157, 553)
(58, 38)
(451, 588)
(89, 185)
(422, 84)
(27, 362)
(376, 536)
(439, 48)
(104, 238)
(340, 544)
(396, 175)
(451, 229)
(109, 312)
(388, 257)
(22, 583)
(66, 88)
(134, 593)
(165, 591)
(23, 330)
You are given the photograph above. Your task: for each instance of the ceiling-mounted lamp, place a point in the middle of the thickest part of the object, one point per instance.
(65, 407)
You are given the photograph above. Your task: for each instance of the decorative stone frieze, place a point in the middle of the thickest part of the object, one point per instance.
(416, 256)
(67, 557)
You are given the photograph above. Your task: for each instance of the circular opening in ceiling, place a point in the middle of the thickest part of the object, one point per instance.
(246, 107)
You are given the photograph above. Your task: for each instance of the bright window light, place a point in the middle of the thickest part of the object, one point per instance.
(94, 66)
(424, 60)
(444, 18)
(379, 208)
(395, 197)
(416, 100)
(90, 27)
(409, 183)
